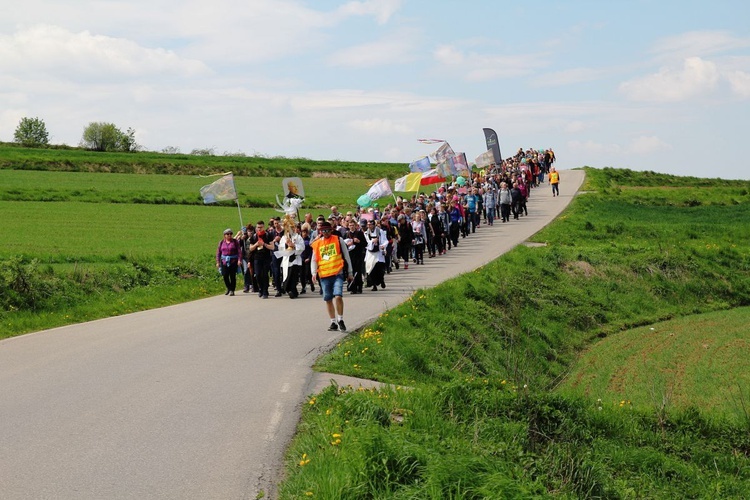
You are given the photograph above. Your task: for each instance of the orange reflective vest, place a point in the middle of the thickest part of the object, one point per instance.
(328, 256)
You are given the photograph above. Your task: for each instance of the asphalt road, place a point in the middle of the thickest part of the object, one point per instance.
(197, 400)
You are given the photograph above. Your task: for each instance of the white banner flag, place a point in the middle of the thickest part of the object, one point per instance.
(220, 190)
(380, 189)
(485, 159)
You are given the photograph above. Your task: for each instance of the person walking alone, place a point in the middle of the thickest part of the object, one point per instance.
(554, 180)
(330, 261)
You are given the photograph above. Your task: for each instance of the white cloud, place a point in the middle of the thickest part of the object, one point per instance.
(392, 49)
(698, 43)
(382, 10)
(44, 49)
(381, 127)
(695, 77)
(646, 145)
(220, 32)
(477, 67)
(740, 83)
(569, 77)
(575, 127)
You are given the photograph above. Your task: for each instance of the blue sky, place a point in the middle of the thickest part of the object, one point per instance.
(648, 85)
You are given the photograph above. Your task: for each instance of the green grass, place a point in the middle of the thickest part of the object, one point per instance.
(484, 353)
(701, 360)
(256, 192)
(79, 160)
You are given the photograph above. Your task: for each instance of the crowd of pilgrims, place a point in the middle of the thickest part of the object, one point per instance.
(382, 241)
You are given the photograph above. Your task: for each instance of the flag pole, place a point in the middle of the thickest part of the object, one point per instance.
(239, 212)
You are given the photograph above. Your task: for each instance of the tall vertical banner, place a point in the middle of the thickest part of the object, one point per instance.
(492, 143)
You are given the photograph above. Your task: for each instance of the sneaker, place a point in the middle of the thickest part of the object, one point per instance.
(333, 327)
(226, 293)
(231, 294)
(342, 326)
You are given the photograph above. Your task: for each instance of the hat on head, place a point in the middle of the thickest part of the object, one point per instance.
(227, 231)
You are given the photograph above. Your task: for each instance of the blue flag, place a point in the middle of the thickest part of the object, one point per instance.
(420, 165)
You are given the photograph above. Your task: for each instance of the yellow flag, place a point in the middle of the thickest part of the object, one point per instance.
(408, 183)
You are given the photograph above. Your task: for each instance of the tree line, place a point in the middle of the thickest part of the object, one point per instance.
(97, 136)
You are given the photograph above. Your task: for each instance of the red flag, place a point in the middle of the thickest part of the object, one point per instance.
(431, 177)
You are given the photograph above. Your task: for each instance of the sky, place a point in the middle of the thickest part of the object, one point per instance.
(655, 85)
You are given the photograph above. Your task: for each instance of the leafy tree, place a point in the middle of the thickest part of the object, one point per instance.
(31, 132)
(171, 150)
(100, 136)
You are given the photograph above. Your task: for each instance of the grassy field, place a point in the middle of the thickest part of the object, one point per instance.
(491, 359)
(254, 192)
(701, 360)
(79, 160)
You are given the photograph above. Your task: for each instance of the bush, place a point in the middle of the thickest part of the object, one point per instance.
(22, 284)
(31, 132)
(100, 136)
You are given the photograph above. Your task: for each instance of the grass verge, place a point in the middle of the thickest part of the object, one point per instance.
(484, 353)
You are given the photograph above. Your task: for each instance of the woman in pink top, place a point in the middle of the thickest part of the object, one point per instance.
(227, 258)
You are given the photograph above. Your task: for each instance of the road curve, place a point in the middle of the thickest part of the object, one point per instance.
(197, 400)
